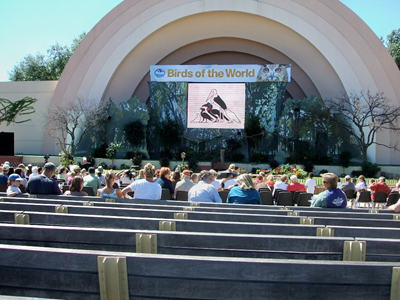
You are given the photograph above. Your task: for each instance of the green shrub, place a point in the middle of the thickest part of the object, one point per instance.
(164, 161)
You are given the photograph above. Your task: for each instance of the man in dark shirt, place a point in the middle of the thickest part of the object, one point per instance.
(44, 184)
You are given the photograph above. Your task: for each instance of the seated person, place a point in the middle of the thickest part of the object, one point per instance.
(295, 185)
(14, 181)
(245, 192)
(185, 184)
(75, 188)
(270, 181)
(263, 185)
(145, 188)
(109, 191)
(164, 180)
(332, 197)
(348, 185)
(43, 184)
(204, 191)
(282, 184)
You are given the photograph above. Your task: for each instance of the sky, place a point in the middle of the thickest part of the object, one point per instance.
(31, 26)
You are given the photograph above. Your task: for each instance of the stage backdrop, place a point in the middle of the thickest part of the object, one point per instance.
(207, 108)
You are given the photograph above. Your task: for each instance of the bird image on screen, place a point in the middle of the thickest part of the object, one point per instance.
(215, 110)
(272, 73)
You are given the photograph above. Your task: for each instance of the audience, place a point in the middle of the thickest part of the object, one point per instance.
(44, 184)
(270, 181)
(332, 197)
(194, 178)
(76, 171)
(109, 191)
(245, 192)
(92, 180)
(4, 175)
(379, 187)
(14, 181)
(140, 175)
(176, 177)
(263, 185)
(185, 184)
(100, 176)
(348, 185)
(164, 180)
(295, 185)
(311, 184)
(75, 188)
(282, 183)
(361, 185)
(146, 188)
(204, 191)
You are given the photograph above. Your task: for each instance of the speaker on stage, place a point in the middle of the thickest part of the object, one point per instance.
(7, 143)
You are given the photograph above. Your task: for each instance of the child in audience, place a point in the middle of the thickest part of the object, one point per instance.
(14, 181)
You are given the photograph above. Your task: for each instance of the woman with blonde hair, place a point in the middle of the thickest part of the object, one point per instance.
(146, 188)
(109, 191)
(245, 192)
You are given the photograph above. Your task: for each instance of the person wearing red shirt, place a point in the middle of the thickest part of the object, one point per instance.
(296, 186)
(379, 187)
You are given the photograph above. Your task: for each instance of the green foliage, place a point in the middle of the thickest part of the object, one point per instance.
(393, 45)
(103, 164)
(169, 133)
(164, 161)
(9, 111)
(369, 169)
(100, 152)
(135, 133)
(273, 164)
(125, 167)
(137, 159)
(309, 166)
(259, 157)
(193, 164)
(344, 158)
(44, 67)
(112, 149)
(66, 158)
(232, 156)
(289, 170)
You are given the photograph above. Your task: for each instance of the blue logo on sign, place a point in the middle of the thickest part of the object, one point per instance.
(159, 73)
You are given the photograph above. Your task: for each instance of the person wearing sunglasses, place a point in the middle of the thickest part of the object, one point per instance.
(332, 197)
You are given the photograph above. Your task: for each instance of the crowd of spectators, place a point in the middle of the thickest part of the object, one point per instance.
(148, 183)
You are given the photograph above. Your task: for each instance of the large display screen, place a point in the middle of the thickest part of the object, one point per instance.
(216, 105)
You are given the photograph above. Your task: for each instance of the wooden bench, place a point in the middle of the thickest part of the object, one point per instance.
(78, 274)
(210, 216)
(76, 220)
(194, 243)
(246, 209)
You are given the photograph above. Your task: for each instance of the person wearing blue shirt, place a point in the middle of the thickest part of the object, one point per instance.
(245, 192)
(204, 191)
(332, 197)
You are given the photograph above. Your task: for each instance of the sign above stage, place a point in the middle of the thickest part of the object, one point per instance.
(221, 73)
